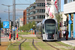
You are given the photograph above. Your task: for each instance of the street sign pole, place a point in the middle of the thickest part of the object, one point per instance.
(0, 31)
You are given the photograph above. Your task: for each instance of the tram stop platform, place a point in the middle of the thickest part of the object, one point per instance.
(70, 41)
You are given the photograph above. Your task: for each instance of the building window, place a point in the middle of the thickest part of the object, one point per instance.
(31, 18)
(48, 3)
(73, 0)
(28, 18)
(33, 7)
(27, 10)
(41, 17)
(40, 4)
(65, 1)
(70, 0)
(33, 12)
(28, 14)
(40, 10)
(35, 17)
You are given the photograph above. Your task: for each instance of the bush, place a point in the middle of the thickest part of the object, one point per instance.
(24, 33)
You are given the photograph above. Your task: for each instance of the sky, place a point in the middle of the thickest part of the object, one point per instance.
(62, 5)
(4, 15)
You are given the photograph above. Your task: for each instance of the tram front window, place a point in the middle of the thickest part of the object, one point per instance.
(50, 28)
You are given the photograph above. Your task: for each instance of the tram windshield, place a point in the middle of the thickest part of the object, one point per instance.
(50, 28)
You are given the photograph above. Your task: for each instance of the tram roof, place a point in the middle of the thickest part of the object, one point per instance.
(42, 22)
(45, 20)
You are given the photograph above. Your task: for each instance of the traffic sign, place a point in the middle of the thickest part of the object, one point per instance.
(70, 21)
(31, 29)
(6, 24)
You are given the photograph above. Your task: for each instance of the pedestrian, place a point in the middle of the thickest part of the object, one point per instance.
(60, 34)
(67, 34)
(35, 31)
(64, 33)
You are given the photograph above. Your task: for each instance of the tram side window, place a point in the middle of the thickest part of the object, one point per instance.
(43, 29)
(37, 28)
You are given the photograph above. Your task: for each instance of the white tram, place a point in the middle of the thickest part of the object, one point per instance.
(47, 29)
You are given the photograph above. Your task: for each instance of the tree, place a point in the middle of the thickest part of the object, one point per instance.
(59, 19)
(1, 25)
(28, 26)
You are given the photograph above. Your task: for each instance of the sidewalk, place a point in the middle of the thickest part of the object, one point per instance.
(70, 41)
(5, 43)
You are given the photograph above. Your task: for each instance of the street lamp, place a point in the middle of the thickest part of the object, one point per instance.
(8, 11)
(8, 18)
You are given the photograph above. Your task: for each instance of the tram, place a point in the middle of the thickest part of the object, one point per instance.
(47, 29)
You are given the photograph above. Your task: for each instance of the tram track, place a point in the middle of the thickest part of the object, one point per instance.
(21, 43)
(52, 46)
(37, 45)
(34, 45)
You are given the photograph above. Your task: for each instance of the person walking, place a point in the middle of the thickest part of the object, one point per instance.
(64, 32)
(67, 34)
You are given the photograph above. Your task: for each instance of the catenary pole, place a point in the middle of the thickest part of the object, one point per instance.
(0, 31)
(14, 14)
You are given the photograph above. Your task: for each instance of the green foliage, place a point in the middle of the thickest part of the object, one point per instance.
(28, 26)
(1, 25)
(71, 27)
(58, 17)
(24, 33)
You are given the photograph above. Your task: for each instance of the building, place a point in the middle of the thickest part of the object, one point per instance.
(20, 21)
(36, 11)
(24, 17)
(69, 11)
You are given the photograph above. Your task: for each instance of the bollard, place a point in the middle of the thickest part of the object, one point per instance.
(17, 35)
(33, 33)
(9, 36)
